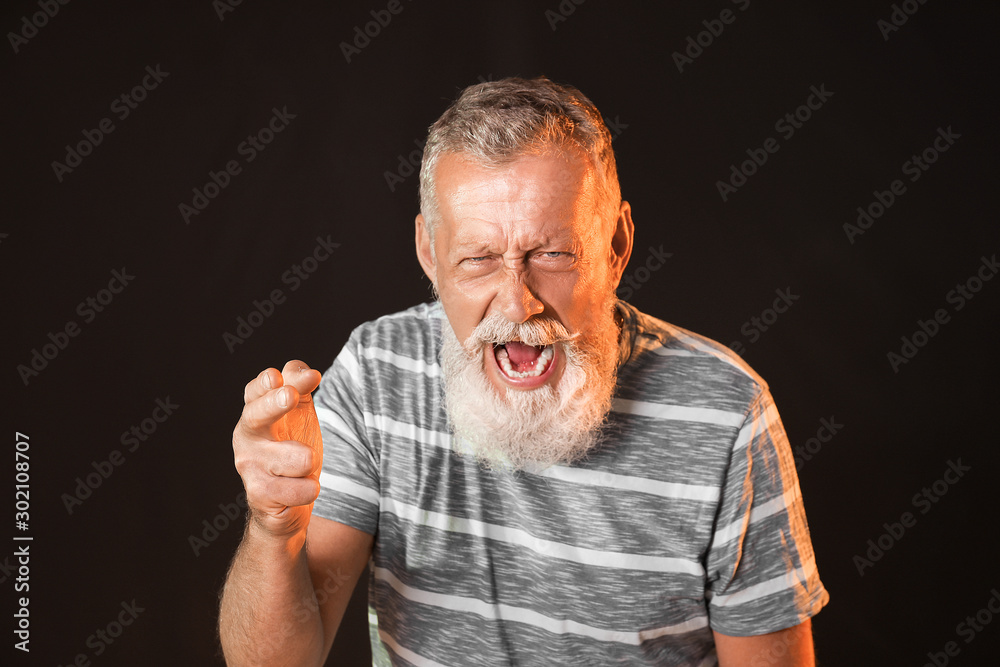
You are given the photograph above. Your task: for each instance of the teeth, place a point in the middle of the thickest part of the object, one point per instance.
(540, 364)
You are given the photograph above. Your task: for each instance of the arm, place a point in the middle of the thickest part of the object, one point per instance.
(760, 530)
(791, 647)
(270, 612)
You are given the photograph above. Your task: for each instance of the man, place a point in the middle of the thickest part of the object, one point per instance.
(540, 474)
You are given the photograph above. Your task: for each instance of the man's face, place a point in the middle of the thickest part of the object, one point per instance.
(523, 241)
(523, 244)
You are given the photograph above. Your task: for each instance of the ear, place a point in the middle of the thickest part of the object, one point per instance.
(621, 242)
(425, 250)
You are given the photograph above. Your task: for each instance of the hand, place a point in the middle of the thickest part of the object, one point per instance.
(279, 449)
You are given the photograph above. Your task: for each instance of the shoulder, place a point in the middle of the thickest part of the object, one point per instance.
(684, 367)
(389, 363)
(414, 333)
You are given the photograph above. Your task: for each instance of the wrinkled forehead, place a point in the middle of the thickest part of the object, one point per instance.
(551, 187)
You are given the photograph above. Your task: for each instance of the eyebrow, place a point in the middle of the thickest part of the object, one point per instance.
(472, 247)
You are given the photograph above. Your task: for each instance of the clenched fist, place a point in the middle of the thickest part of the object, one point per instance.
(279, 449)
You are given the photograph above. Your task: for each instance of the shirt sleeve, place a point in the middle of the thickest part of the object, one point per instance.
(761, 569)
(349, 483)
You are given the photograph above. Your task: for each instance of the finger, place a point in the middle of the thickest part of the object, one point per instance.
(260, 414)
(272, 494)
(298, 374)
(288, 459)
(267, 380)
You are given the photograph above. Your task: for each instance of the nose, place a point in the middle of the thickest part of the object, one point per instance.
(517, 302)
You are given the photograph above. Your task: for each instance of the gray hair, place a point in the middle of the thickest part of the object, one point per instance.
(495, 122)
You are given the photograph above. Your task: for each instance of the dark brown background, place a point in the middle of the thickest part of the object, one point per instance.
(325, 174)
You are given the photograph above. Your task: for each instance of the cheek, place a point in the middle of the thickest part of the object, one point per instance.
(463, 309)
(576, 294)
(586, 297)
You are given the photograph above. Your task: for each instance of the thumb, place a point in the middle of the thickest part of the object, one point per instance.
(300, 424)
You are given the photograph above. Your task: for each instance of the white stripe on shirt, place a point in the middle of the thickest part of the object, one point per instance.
(581, 476)
(350, 364)
(335, 422)
(677, 412)
(343, 485)
(790, 581)
(400, 361)
(584, 476)
(405, 653)
(781, 503)
(549, 548)
(529, 617)
(687, 339)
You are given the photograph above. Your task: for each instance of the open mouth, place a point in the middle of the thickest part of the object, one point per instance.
(518, 360)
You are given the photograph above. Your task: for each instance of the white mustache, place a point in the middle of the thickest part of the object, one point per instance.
(495, 329)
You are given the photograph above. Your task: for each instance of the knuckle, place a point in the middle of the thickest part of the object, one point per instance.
(241, 449)
(244, 462)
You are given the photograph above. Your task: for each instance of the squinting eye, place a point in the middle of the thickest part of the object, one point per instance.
(477, 263)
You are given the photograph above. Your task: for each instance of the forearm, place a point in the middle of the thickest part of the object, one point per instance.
(268, 614)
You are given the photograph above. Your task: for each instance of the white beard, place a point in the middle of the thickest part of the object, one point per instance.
(534, 428)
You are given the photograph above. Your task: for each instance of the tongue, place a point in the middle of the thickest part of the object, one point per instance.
(520, 354)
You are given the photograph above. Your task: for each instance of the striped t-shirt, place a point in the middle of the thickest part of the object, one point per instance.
(687, 519)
